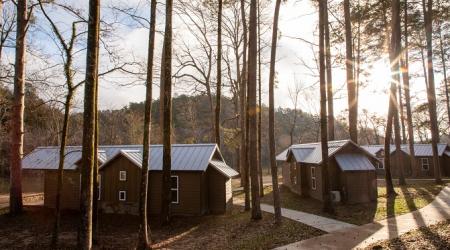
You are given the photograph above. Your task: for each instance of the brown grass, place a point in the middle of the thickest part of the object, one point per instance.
(433, 237)
(234, 230)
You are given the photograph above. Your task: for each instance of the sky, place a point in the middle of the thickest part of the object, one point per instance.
(297, 19)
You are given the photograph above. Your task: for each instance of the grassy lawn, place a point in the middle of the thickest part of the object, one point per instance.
(433, 237)
(411, 197)
(233, 230)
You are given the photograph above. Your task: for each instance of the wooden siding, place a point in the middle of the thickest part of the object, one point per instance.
(70, 195)
(216, 191)
(33, 180)
(360, 187)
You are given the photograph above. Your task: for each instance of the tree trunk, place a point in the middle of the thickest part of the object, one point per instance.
(87, 163)
(444, 69)
(405, 76)
(166, 194)
(95, 176)
(431, 95)
(253, 110)
(18, 105)
(329, 77)
(244, 156)
(62, 155)
(395, 55)
(219, 73)
(273, 162)
(144, 241)
(402, 116)
(327, 205)
(351, 89)
(1, 28)
(260, 173)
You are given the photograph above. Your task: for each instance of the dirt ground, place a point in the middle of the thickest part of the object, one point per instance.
(234, 230)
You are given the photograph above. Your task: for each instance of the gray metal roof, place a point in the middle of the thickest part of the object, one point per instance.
(419, 149)
(354, 162)
(311, 152)
(185, 157)
(223, 168)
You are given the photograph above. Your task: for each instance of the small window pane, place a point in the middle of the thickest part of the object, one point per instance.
(175, 196)
(174, 182)
(123, 175)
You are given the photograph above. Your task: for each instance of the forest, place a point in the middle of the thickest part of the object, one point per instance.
(245, 75)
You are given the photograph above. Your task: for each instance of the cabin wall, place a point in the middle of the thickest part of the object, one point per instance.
(33, 181)
(218, 195)
(70, 193)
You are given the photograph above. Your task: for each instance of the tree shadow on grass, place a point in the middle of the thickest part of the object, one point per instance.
(431, 236)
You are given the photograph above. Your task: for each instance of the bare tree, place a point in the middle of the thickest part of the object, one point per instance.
(329, 76)
(15, 193)
(261, 184)
(273, 163)
(88, 148)
(294, 96)
(219, 72)
(327, 205)
(405, 76)
(431, 95)
(243, 118)
(166, 195)
(351, 89)
(144, 230)
(253, 110)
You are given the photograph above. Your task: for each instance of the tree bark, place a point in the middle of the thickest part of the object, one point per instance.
(405, 76)
(351, 89)
(260, 173)
(244, 155)
(327, 204)
(273, 162)
(166, 194)
(87, 166)
(144, 241)
(253, 110)
(444, 69)
(329, 77)
(431, 95)
(402, 116)
(18, 105)
(219, 74)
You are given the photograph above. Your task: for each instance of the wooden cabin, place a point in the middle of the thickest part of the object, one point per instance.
(351, 169)
(201, 180)
(423, 157)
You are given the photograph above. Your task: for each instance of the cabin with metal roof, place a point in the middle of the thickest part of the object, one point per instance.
(351, 169)
(201, 180)
(423, 158)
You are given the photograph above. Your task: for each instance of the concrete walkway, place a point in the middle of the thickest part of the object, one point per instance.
(362, 236)
(325, 224)
(28, 199)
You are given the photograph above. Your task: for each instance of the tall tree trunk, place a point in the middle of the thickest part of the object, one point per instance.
(327, 205)
(18, 105)
(87, 163)
(329, 77)
(144, 241)
(273, 162)
(62, 155)
(253, 110)
(431, 95)
(395, 55)
(219, 73)
(444, 69)
(1, 28)
(405, 76)
(351, 89)
(166, 194)
(402, 116)
(244, 156)
(260, 173)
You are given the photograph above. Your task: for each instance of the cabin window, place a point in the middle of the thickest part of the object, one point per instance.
(313, 178)
(174, 188)
(425, 164)
(122, 195)
(380, 165)
(99, 188)
(123, 175)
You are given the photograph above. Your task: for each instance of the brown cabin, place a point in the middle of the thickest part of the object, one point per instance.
(201, 180)
(351, 170)
(423, 157)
